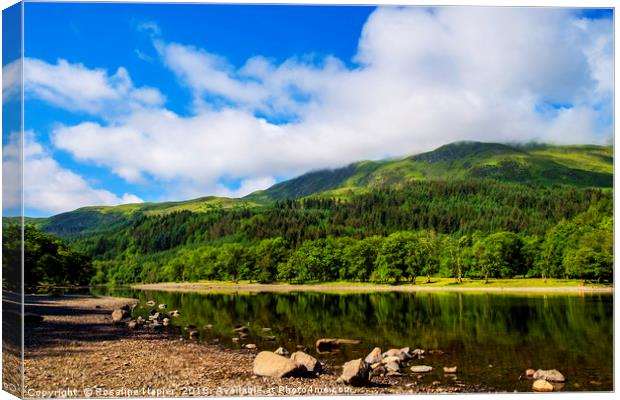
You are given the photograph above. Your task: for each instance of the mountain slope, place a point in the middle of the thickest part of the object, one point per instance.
(581, 166)
(108, 218)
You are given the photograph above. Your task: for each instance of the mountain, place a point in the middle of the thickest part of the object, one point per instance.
(87, 220)
(578, 165)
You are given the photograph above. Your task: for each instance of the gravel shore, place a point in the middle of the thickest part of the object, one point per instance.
(78, 352)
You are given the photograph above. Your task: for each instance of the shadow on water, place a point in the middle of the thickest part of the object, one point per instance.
(491, 338)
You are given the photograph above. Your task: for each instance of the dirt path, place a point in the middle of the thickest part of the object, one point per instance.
(77, 352)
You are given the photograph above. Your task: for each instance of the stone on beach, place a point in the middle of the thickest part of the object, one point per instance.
(551, 375)
(120, 314)
(311, 364)
(421, 368)
(402, 355)
(271, 364)
(541, 385)
(281, 351)
(374, 356)
(355, 372)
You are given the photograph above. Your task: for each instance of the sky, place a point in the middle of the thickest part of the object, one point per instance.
(127, 103)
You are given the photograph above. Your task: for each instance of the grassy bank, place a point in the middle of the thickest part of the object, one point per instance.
(436, 284)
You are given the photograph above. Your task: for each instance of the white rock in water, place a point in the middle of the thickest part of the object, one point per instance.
(421, 368)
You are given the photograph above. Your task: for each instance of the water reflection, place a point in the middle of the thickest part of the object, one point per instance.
(492, 338)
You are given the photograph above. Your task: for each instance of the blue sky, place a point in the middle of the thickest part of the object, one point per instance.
(146, 102)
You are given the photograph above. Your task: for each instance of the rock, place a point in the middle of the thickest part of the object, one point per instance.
(162, 306)
(418, 369)
(120, 314)
(208, 326)
(150, 303)
(396, 353)
(243, 335)
(175, 313)
(241, 328)
(392, 366)
(271, 364)
(159, 316)
(166, 321)
(529, 373)
(140, 320)
(392, 359)
(377, 369)
(393, 373)
(281, 351)
(374, 356)
(270, 338)
(194, 334)
(266, 329)
(449, 370)
(303, 360)
(235, 339)
(324, 345)
(132, 324)
(418, 353)
(355, 373)
(551, 375)
(250, 346)
(156, 326)
(405, 352)
(541, 385)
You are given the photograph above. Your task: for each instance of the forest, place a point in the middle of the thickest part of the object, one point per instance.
(461, 229)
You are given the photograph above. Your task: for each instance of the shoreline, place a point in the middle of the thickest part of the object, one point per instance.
(216, 287)
(76, 351)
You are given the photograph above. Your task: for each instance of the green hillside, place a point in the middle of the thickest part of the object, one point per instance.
(89, 220)
(581, 166)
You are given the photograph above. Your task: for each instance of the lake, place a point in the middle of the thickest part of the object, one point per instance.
(491, 338)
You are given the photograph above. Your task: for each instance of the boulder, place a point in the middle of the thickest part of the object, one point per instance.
(396, 353)
(119, 315)
(551, 375)
(392, 366)
(355, 373)
(303, 360)
(374, 356)
(392, 359)
(271, 364)
(541, 385)
(281, 351)
(419, 369)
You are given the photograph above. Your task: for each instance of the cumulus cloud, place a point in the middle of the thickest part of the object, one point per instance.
(78, 88)
(423, 78)
(48, 187)
(11, 81)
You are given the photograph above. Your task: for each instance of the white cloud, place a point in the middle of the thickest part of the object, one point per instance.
(424, 78)
(48, 187)
(11, 81)
(78, 88)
